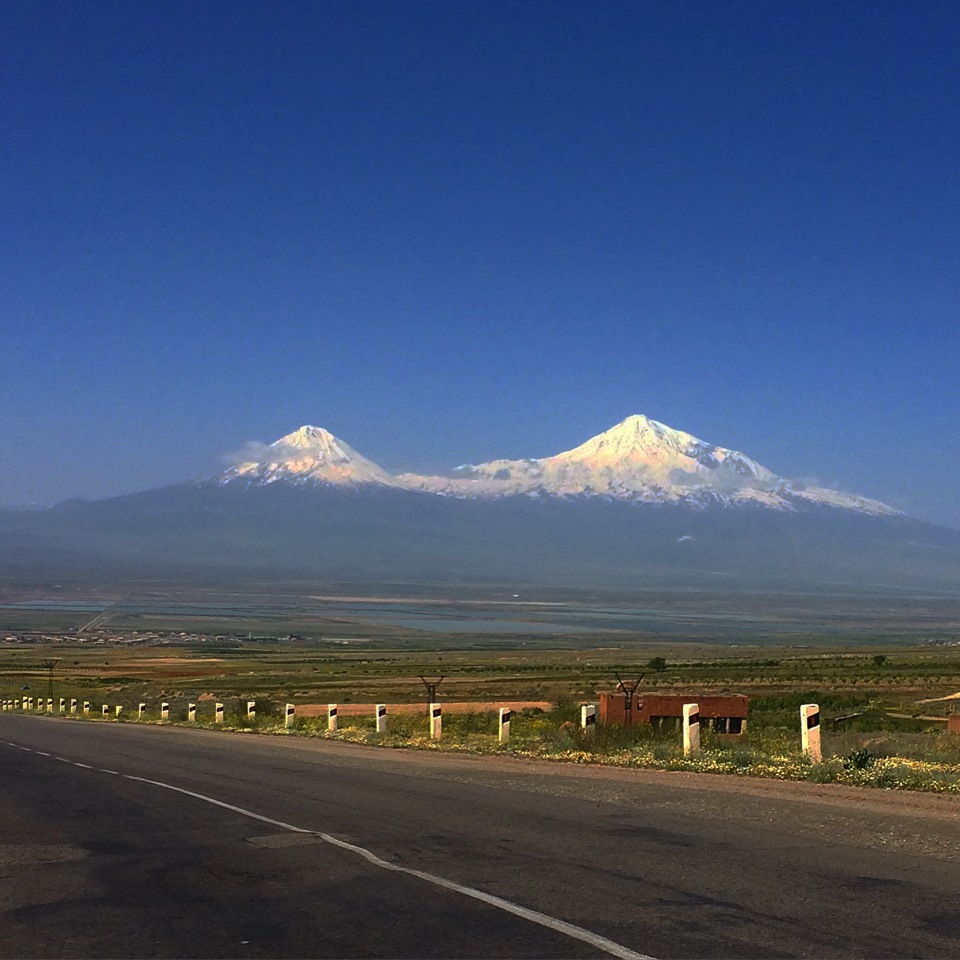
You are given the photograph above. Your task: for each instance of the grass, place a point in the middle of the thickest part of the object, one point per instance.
(874, 731)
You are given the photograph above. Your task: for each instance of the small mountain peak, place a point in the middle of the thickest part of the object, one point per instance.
(306, 436)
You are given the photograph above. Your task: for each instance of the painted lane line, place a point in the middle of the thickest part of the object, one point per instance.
(610, 947)
(560, 926)
(63, 759)
(42, 754)
(84, 765)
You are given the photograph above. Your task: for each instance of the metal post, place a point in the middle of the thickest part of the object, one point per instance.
(810, 731)
(436, 721)
(332, 717)
(691, 729)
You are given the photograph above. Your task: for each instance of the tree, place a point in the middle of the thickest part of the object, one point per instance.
(879, 659)
(659, 664)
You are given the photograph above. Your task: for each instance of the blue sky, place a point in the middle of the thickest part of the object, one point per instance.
(452, 231)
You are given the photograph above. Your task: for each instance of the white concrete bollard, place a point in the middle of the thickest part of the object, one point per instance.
(49, 704)
(164, 711)
(218, 713)
(86, 708)
(105, 710)
(381, 715)
(118, 710)
(191, 712)
(332, 717)
(288, 714)
(73, 705)
(588, 718)
(691, 729)
(16, 704)
(505, 715)
(63, 705)
(810, 731)
(251, 709)
(141, 710)
(436, 721)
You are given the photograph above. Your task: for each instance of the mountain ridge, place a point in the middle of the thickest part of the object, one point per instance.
(638, 460)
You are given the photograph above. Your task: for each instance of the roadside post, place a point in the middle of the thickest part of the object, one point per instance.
(381, 716)
(117, 711)
(164, 711)
(218, 713)
(288, 716)
(332, 718)
(86, 708)
(141, 710)
(588, 718)
(251, 709)
(63, 705)
(104, 710)
(16, 704)
(505, 715)
(191, 712)
(436, 721)
(691, 729)
(49, 704)
(810, 731)
(73, 705)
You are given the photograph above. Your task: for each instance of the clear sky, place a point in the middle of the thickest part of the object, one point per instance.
(452, 231)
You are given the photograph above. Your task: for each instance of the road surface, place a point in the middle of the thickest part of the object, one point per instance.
(127, 840)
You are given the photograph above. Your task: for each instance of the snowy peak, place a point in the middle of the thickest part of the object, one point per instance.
(638, 459)
(642, 460)
(310, 455)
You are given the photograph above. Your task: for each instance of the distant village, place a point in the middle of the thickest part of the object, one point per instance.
(149, 638)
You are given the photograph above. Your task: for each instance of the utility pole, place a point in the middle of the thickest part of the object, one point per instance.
(431, 686)
(50, 664)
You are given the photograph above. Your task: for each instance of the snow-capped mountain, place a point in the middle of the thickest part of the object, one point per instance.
(310, 455)
(644, 461)
(637, 506)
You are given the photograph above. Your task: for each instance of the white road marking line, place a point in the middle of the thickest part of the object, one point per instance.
(63, 759)
(42, 754)
(85, 767)
(609, 947)
(574, 932)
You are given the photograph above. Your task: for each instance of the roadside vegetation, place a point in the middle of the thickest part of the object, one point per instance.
(884, 714)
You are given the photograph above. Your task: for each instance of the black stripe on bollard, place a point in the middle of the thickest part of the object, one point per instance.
(813, 721)
(694, 718)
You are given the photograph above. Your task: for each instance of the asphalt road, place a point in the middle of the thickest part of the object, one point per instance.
(97, 863)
